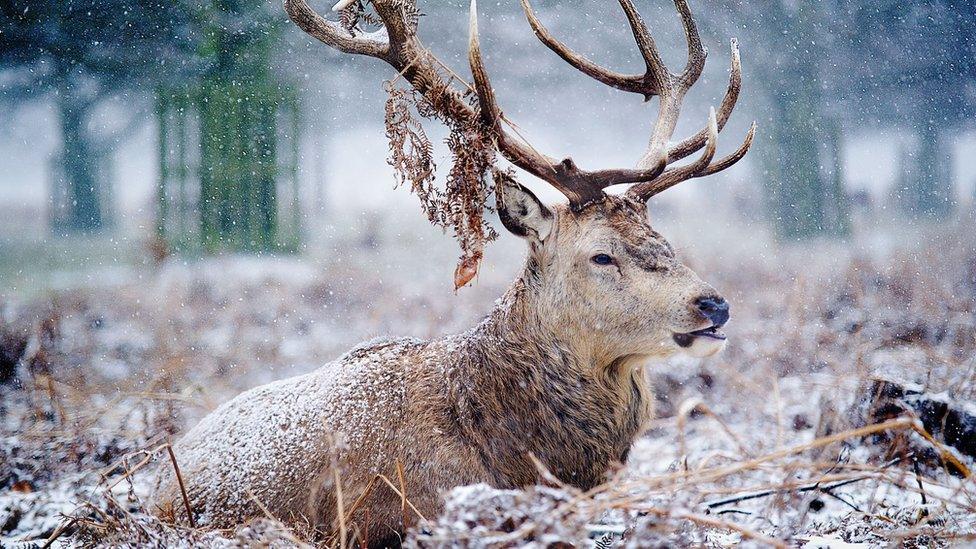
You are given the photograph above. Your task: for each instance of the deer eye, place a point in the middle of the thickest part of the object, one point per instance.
(602, 259)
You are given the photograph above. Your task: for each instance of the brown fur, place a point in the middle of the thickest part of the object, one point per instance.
(554, 371)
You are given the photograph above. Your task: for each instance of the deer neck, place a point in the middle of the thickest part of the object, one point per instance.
(563, 399)
(527, 333)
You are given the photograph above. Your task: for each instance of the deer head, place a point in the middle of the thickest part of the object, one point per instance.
(595, 264)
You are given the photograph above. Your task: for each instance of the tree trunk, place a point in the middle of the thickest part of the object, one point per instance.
(930, 192)
(237, 103)
(238, 169)
(79, 179)
(838, 214)
(804, 199)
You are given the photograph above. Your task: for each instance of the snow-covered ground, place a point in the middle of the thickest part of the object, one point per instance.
(126, 364)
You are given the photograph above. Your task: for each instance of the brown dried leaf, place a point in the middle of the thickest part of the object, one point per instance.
(467, 269)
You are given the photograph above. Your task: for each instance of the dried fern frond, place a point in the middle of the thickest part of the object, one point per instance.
(353, 14)
(461, 204)
(412, 153)
(411, 13)
(467, 188)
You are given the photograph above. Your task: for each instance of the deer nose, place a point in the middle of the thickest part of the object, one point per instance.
(714, 308)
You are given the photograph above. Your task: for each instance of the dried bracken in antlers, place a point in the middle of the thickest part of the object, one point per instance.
(467, 190)
(411, 13)
(412, 153)
(351, 15)
(461, 204)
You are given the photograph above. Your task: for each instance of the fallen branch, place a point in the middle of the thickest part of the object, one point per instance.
(722, 472)
(943, 421)
(801, 489)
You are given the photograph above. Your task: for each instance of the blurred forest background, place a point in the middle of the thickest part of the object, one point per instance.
(202, 126)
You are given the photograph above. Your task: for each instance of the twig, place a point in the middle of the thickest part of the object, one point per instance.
(403, 488)
(129, 472)
(404, 518)
(721, 472)
(778, 401)
(695, 403)
(370, 486)
(921, 489)
(401, 73)
(340, 508)
(179, 480)
(59, 532)
(826, 491)
(515, 129)
(733, 512)
(801, 489)
(806, 488)
(55, 401)
(261, 506)
(713, 522)
(401, 494)
(545, 474)
(501, 115)
(947, 456)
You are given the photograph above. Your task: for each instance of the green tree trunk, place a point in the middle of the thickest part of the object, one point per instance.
(805, 199)
(79, 171)
(238, 168)
(242, 164)
(837, 205)
(930, 192)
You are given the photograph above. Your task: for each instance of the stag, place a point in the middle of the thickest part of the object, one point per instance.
(550, 381)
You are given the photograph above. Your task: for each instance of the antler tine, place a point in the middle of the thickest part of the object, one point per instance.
(671, 88)
(673, 176)
(534, 162)
(489, 110)
(697, 141)
(658, 76)
(375, 44)
(667, 118)
(696, 51)
(635, 83)
(728, 161)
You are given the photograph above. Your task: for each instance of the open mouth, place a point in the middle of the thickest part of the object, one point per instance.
(686, 339)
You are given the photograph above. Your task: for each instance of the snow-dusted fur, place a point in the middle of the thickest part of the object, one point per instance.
(552, 372)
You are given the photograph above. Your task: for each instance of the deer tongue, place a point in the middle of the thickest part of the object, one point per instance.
(686, 339)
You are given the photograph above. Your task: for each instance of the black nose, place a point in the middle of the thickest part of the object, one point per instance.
(715, 309)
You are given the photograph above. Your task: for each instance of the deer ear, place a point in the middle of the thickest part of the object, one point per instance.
(521, 212)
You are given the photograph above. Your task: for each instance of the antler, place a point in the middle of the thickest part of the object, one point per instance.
(670, 88)
(579, 186)
(397, 44)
